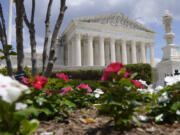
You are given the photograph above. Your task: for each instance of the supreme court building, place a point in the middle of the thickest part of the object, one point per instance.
(100, 40)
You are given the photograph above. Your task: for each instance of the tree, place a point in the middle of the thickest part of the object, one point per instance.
(47, 34)
(19, 35)
(52, 57)
(31, 27)
(3, 39)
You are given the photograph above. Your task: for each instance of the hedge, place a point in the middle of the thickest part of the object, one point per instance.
(144, 72)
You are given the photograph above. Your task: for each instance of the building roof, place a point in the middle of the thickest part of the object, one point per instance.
(115, 19)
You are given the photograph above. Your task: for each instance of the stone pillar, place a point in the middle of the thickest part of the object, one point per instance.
(133, 50)
(143, 53)
(112, 45)
(77, 49)
(90, 51)
(69, 53)
(124, 52)
(152, 54)
(101, 51)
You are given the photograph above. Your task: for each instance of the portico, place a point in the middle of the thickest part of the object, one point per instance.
(100, 40)
(91, 50)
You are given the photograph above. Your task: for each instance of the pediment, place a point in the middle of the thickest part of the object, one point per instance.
(115, 19)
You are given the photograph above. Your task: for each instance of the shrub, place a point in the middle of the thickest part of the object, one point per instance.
(144, 71)
(120, 100)
(166, 105)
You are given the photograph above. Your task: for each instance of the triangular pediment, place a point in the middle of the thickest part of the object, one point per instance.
(115, 19)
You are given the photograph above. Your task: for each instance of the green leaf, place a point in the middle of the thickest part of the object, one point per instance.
(28, 127)
(134, 118)
(46, 111)
(8, 47)
(12, 53)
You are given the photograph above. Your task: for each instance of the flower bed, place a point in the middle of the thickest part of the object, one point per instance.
(117, 97)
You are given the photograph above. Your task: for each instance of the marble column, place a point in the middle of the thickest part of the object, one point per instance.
(124, 52)
(152, 54)
(112, 46)
(133, 51)
(143, 53)
(90, 51)
(101, 51)
(69, 53)
(77, 48)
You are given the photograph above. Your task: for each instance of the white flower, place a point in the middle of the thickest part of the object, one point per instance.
(10, 89)
(142, 118)
(159, 118)
(143, 82)
(158, 88)
(178, 112)
(170, 80)
(20, 106)
(46, 133)
(164, 97)
(98, 92)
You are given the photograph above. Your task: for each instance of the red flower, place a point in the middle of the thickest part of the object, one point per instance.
(126, 75)
(85, 86)
(64, 90)
(112, 68)
(26, 81)
(137, 83)
(48, 92)
(39, 82)
(63, 77)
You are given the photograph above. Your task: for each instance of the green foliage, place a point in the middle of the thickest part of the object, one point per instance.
(92, 83)
(10, 51)
(14, 122)
(4, 71)
(166, 105)
(120, 101)
(83, 74)
(80, 98)
(50, 105)
(144, 71)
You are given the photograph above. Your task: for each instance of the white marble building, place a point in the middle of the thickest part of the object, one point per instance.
(99, 40)
(171, 56)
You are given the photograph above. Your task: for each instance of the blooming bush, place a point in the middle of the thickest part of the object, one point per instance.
(81, 96)
(166, 105)
(13, 113)
(121, 98)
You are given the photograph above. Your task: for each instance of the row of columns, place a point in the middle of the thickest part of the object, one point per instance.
(75, 57)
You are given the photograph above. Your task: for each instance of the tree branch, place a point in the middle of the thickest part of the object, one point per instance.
(54, 37)
(47, 31)
(25, 17)
(33, 11)
(3, 22)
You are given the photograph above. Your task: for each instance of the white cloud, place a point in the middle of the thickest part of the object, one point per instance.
(79, 2)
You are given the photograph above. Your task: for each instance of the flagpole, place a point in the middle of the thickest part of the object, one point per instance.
(9, 29)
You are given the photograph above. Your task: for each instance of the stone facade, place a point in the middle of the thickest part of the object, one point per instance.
(100, 40)
(171, 57)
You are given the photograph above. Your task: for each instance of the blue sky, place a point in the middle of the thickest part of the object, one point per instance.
(149, 12)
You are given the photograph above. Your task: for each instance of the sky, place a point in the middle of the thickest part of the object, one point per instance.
(148, 12)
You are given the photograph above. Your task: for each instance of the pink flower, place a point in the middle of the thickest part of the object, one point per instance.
(64, 90)
(112, 68)
(63, 77)
(85, 86)
(48, 92)
(126, 75)
(137, 83)
(39, 82)
(25, 81)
